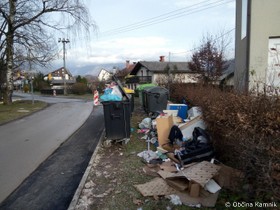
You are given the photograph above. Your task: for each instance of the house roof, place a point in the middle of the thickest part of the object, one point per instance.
(229, 72)
(156, 66)
(58, 70)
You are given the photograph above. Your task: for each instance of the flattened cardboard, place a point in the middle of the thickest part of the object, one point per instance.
(155, 187)
(168, 166)
(201, 173)
(205, 199)
(151, 171)
(164, 125)
(165, 174)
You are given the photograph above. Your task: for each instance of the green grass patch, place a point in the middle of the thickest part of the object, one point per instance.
(19, 109)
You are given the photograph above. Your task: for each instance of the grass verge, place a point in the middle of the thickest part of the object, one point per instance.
(19, 109)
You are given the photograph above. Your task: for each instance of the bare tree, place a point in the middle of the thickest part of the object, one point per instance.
(209, 59)
(27, 26)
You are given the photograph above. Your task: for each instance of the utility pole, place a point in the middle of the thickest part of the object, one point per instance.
(30, 69)
(64, 41)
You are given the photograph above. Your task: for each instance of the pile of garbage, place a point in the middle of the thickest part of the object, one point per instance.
(184, 164)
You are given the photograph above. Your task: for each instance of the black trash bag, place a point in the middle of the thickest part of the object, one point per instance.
(198, 149)
(200, 135)
(175, 133)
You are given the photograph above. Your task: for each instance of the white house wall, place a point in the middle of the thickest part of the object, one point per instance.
(183, 77)
(252, 50)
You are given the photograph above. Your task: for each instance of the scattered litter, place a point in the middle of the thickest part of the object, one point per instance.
(137, 202)
(175, 199)
(146, 123)
(148, 155)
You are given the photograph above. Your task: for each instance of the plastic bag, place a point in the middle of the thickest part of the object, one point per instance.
(146, 123)
(116, 91)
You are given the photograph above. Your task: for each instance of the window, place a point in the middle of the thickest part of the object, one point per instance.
(244, 18)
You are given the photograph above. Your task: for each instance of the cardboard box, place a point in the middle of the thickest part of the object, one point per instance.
(229, 178)
(194, 189)
(164, 125)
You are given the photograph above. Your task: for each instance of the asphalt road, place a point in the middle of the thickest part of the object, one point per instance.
(26, 143)
(52, 185)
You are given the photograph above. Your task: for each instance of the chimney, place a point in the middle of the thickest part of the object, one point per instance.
(127, 64)
(161, 58)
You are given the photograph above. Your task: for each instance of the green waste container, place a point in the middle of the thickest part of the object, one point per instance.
(141, 89)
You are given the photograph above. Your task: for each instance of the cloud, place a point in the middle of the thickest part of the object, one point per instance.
(120, 49)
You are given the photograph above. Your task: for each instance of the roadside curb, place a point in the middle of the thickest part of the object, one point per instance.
(78, 192)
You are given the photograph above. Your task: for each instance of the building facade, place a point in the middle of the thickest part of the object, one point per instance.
(257, 45)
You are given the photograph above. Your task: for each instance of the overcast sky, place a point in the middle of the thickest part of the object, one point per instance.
(143, 30)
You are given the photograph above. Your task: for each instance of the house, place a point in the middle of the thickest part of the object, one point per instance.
(160, 72)
(257, 45)
(22, 77)
(104, 75)
(226, 80)
(60, 79)
(123, 73)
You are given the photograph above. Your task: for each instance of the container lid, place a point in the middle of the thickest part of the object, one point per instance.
(127, 90)
(144, 86)
(157, 89)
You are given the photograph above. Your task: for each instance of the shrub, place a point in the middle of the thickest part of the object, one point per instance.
(79, 88)
(245, 131)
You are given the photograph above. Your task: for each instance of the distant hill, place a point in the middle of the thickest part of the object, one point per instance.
(95, 69)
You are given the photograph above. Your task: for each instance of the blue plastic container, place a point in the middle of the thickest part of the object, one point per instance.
(182, 109)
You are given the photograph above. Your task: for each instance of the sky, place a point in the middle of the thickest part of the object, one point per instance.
(137, 30)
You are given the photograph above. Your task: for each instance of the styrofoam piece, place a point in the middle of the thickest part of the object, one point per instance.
(194, 112)
(171, 112)
(212, 186)
(187, 128)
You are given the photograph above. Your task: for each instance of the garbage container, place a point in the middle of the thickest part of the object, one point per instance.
(117, 116)
(141, 89)
(117, 119)
(155, 99)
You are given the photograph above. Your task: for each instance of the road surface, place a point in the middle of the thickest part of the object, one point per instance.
(26, 143)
